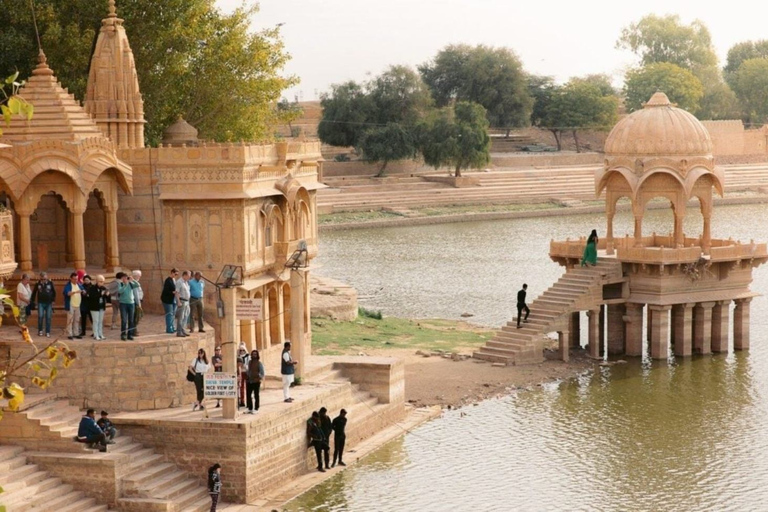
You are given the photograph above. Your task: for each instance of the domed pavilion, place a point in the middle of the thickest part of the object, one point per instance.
(668, 294)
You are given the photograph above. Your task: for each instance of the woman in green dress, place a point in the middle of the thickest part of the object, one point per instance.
(590, 251)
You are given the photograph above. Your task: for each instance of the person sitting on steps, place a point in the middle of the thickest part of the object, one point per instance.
(89, 432)
(107, 426)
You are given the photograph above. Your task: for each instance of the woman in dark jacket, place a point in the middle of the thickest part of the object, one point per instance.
(96, 299)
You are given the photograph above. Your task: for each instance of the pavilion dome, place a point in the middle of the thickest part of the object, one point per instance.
(180, 133)
(659, 129)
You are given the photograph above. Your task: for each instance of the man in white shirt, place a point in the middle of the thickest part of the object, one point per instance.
(287, 369)
(138, 296)
(23, 298)
(182, 304)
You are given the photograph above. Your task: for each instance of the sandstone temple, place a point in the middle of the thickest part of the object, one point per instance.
(79, 189)
(649, 294)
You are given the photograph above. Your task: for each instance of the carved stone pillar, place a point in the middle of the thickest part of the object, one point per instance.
(702, 328)
(720, 318)
(741, 324)
(638, 230)
(298, 285)
(683, 329)
(574, 328)
(594, 333)
(633, 328)
(78, 234)
(609, 213)
(616, 335)
(660, 331)
(564, 340)
(111, 251)
(679, 235)
(25, 241)
(706, 236)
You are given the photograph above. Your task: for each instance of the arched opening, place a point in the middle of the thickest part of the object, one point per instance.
(694, 220)
(287, 310)
(47, 223)
(659, 218)
(274, 316)
(624, 220)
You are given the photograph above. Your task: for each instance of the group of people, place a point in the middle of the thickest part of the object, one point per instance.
(97, 434)
(85, 299)
(182, 299)
(319, 430)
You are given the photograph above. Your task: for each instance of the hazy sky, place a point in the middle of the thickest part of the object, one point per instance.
(331, 41)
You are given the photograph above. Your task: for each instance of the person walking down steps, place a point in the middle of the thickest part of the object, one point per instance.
(521, 306)
(590, 251)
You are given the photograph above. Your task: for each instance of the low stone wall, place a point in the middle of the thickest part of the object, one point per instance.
(553, 159)
(126, 375)
(382, 377)
(359, 168)
(461, 182)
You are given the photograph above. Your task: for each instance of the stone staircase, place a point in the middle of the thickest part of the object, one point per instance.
(579, 289)
(27, 487)
(148, 481)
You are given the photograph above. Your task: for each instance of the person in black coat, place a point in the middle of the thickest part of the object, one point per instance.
(339, 437)
(316, 439)
(521, 305)
(325, 424)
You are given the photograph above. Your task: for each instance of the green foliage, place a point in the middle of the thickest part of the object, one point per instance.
(744, 51)
(456, 137)
(541, 89)
(290, 111)
(192, 60)
(346, 111)
(11, 104)
(750, 83)
(491, 77)
(398, 96)
(656, 39)
(680, 85)
(385, 144)
(369, 313)
(342, 157)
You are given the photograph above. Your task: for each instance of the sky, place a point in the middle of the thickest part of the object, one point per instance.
(332, 41)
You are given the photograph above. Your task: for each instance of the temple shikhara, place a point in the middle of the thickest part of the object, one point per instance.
(648, 294)
(81, 190)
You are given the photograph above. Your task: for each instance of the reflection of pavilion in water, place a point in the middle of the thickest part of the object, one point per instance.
(683, 286)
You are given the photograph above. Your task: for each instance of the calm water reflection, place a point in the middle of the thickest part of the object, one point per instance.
(641, 436)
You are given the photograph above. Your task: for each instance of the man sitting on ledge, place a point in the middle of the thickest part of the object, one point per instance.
(89, 432)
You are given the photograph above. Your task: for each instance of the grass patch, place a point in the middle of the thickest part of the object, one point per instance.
(365, 333)
(369, 313)
(345, 217)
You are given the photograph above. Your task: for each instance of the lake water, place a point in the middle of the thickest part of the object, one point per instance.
(649, 435)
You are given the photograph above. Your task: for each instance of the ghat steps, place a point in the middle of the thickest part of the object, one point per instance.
(501, 186)
(27, 487)
(147, 482)
(579, 289)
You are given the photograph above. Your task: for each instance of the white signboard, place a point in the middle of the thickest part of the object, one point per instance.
(248, 309)
(220, 385)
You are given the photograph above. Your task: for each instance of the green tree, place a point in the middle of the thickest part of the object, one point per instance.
(290, 111)
(586, 105)
(541, 88)
(387, 143)
(456, 137)
(347, 112)
(680, 85)
(750, 83)
(192, 59)
(399, 95)
(491, 77)
(746, 50)
(656, 39)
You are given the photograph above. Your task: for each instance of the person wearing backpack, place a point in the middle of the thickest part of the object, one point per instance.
(255, 376)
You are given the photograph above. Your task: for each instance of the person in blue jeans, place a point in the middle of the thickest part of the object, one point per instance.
(45, 294)
(127, 305)
(168, 298)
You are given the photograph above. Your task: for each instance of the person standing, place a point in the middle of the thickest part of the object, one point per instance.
(96, 297)
(214, 485)
(199, 367)
(127, 305)
(218, 366)
(521, 306)
(327, 426)
(339, 437)
(73, 298)
(24, 298)
(85, 312)
(182, 304)
(115, 301)
(196, 295)
(138, 296)
(45, 294)
(590, 251)
(168, 298)
(287, 370)
(316, 439)
(242, 373)
(255, 375)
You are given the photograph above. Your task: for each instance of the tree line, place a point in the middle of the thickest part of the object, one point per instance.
(403, 112)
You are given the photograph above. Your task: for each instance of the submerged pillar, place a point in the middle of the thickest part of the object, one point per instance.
(615, 328)
(682, 329)
(720, 319)
(574, 328)
(659, 331)
(702, 328)
(633, 328)
(741, 324)
(564, 339)
(602, 329)
(594, 333)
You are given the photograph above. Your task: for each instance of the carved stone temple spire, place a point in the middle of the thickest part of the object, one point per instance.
(113, 97)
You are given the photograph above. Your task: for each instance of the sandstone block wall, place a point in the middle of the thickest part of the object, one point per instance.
(128, 376)
(383, 378)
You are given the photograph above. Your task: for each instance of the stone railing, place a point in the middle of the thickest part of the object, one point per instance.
(737, 251)
(572, 248)
(658, 255)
